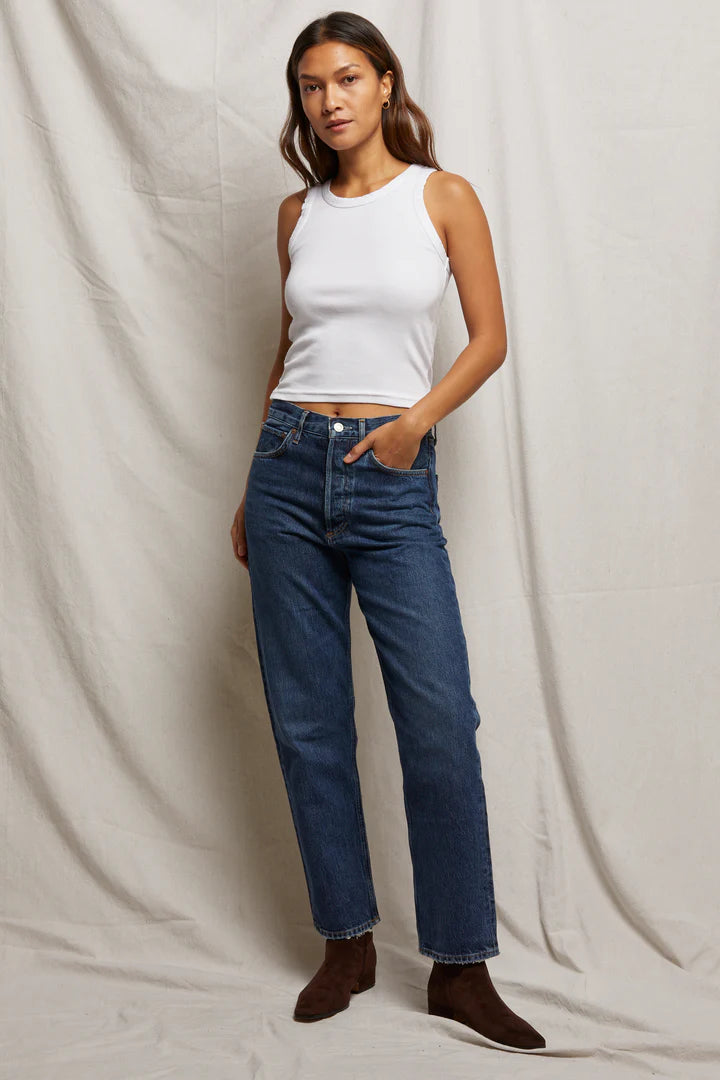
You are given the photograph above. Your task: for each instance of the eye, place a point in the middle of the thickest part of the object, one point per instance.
(309, 86)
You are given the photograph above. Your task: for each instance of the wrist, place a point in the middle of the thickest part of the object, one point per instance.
(417, 422)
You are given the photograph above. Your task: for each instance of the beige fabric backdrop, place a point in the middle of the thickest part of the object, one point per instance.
(153, 911)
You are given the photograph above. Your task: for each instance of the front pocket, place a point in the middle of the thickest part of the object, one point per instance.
(419, 466)
(273, 441)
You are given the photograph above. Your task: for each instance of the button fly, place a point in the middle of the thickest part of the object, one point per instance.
(338, 426)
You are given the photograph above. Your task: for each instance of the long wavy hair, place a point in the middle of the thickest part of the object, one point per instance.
(405, 127)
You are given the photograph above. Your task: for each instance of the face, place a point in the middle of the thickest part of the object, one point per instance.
(338, 82)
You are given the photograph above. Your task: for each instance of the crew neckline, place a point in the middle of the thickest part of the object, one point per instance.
(360, 200)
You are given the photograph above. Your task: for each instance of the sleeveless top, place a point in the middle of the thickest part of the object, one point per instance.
(366, 281)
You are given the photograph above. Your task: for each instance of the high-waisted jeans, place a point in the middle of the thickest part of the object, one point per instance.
(316, 526)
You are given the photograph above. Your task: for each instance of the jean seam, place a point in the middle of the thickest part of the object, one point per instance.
(275, 730)
(372, 900)
(361, 928)
(278, 451)
(389, 468)
(461, 958)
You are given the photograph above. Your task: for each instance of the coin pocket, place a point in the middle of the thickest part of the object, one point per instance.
(273, 441)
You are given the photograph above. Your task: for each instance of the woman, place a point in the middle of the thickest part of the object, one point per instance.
(342, 492)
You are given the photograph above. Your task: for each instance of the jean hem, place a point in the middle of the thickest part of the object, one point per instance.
(460, 958)
(354, 931)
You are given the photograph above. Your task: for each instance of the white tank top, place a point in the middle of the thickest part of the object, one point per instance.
(366, 281)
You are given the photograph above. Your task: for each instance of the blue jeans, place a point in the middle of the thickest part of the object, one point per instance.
(316, 526)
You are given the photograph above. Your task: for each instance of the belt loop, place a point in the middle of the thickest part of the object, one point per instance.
(434, 433)
(361, 427)
(301, 421)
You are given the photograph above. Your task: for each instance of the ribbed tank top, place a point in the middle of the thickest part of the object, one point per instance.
(367, 277)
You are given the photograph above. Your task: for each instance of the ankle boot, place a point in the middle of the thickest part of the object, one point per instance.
(464, 992)
(348, 968)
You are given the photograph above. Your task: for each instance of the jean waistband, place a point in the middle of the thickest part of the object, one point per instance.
(289, 415)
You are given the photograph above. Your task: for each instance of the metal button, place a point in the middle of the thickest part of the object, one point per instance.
(338, 426)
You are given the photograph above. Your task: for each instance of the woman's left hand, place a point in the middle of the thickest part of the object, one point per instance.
(394, 444)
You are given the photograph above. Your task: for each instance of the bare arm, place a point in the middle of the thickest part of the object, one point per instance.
(288, 214)
(470, 249)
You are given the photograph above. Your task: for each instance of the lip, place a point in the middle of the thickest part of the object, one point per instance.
(337, 124)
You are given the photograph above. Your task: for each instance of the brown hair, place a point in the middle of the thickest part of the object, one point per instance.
(405, 141)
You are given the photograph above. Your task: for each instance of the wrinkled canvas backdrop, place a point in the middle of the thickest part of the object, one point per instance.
(153, 909)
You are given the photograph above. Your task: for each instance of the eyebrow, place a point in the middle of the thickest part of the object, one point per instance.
(345, 67)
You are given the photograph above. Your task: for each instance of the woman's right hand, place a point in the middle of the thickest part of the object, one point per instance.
(237, 532)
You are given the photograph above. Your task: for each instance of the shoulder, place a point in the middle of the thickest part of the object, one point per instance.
(454, 200)
(452, 188)
(291, 206)
(289, 213)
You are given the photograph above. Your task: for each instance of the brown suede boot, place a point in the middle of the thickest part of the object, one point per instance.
(348, 968)
(464, 992)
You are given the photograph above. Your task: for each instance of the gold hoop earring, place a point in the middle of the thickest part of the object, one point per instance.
(386, 104)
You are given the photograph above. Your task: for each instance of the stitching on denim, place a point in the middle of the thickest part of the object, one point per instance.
(275, 730)
(352, 932)
(432, 480)
(336, 532)
(390, 468)
(490, 883)
(396, 717)
(460, 958)
(301, 424)
(278, 449)
(372, 900)
(348, 478)
(327, 500)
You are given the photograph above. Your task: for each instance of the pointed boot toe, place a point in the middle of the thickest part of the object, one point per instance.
(465, 993)
(348, 968)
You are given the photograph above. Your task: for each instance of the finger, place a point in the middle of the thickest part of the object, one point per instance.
(355, 451)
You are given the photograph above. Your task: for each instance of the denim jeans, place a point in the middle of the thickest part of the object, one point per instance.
(315, 527)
